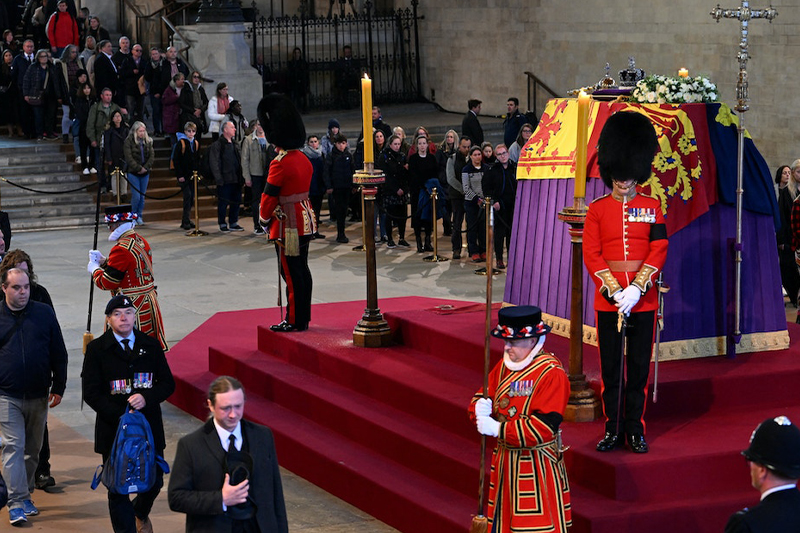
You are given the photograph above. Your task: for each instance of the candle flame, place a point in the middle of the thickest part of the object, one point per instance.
(365, 76)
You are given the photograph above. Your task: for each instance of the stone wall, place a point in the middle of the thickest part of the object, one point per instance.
(482, 48)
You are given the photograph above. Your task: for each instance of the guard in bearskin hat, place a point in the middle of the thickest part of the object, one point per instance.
(624, 247)
(286, 212)
(128, 270)
(774, 460)
(524, 407)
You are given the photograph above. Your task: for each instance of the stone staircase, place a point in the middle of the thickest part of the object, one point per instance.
(42, 187)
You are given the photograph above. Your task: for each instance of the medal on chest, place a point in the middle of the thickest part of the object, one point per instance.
(641, 214)
(120, 386)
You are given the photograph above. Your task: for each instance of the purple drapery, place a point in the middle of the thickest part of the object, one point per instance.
(699, 267)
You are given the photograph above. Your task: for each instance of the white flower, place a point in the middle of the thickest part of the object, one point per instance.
(651, 97)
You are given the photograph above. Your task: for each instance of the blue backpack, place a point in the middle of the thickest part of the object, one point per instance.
(131, 467)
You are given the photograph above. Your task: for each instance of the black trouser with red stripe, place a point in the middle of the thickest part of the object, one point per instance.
(297, 275)
(639, 341)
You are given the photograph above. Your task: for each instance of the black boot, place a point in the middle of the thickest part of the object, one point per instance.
(419, 244)
(428, 247)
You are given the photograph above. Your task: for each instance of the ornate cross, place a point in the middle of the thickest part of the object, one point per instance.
(743, 14)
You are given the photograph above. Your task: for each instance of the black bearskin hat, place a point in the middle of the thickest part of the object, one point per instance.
(283, 125)
(626, 148)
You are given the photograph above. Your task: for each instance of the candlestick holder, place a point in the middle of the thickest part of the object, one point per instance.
(372, 331)
(583, 405)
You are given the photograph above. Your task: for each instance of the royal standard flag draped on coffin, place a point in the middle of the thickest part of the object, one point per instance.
(684, 174)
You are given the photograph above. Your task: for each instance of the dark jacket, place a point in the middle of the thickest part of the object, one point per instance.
(393, 165)
(184, 158)
(511, 126)
(113, 146)
(338, 172)
(225, 161)
(104, 75)
(471, 127)
(777, 513)
(129, 72)
(152, 75)
(19, 67)
(80, 111)
(166, 71)
(195, 484)
(33, 362)
(501, 185)
(106, 362)
(34, 84)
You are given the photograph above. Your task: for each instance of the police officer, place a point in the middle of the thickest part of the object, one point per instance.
(774, 460)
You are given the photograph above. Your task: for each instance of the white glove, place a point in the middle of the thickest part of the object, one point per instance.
(629, 298)
(483, 407)
(488, 426)
(92, 266)
(96, 256)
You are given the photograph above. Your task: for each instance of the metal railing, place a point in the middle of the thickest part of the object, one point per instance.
(537, 96)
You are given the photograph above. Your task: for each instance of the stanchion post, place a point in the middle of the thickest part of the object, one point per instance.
(196, 232)
(117, 175)
(435, 258)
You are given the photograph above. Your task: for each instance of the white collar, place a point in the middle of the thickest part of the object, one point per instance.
(778, 488)
(224, 435)
(515, 367)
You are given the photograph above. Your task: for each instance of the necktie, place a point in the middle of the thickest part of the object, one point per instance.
(232, 443)
(126, 347)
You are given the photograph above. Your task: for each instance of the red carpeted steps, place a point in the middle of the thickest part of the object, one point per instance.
(386, 429)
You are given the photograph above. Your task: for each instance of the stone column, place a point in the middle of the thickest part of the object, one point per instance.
(219, 51)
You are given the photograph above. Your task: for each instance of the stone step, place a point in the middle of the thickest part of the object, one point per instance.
(43, 166)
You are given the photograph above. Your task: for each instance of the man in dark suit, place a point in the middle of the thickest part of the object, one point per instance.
(219, 480)
(774, 460)
(470, 126)
(126, 369)
(20, 66)
(105, 73)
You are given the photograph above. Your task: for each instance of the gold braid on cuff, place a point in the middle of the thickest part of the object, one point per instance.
(644, 279)
(610, 283)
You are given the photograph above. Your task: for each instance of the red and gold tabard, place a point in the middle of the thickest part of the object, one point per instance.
(129, 271)
(625, 243)
(288, 183)
(528, 489)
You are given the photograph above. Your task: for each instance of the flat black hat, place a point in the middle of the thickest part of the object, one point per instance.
(775, 443)
(626, 148)
(520, 322)
(119, 301)
(119, 213)
(282, 123)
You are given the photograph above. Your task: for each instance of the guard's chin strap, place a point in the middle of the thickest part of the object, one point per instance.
(122, 228)
(514, 367)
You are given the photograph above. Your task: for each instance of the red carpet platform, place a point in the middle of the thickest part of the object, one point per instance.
(387, 431)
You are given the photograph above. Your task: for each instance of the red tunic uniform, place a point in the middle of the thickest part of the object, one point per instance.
(129, 271)
(528, 488)
(287, 188)
(288, 183)
(625, 243)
